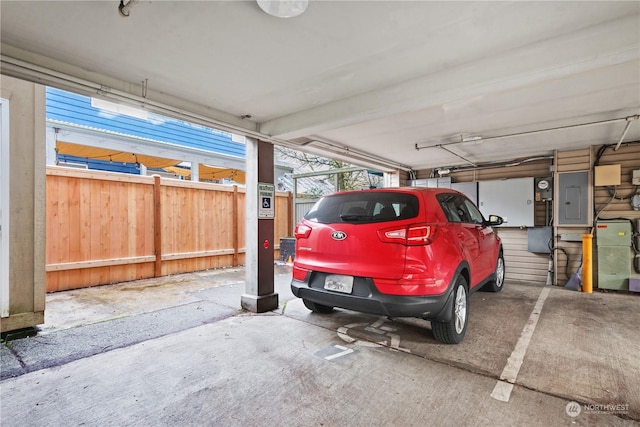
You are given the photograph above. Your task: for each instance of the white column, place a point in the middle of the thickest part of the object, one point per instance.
(195, 171)
(392, 179)
(50, 155)
(4, 207)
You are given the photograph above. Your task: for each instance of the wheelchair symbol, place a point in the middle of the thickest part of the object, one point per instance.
(266, 202)
(380, 332)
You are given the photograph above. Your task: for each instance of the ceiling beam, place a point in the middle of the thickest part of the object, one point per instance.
(612, 43)
(41, 69)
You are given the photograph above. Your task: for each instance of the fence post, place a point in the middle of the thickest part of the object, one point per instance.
(290, 213)
(236, 245)
(157, 225)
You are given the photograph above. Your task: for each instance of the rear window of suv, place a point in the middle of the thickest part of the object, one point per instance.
(364, 207)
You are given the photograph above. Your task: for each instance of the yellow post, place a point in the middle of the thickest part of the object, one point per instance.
(587, 258)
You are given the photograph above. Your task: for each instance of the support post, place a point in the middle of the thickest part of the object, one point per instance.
(195, 171)
(51, 140)
(391, 179)
(259, 271)
(290, 214)
(236, 244)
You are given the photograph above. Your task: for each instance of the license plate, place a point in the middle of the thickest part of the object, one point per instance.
(339, 283)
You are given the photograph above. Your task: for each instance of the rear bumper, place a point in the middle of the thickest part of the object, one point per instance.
(366, 298)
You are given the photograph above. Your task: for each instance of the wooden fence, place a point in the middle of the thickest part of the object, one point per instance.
(106, 227)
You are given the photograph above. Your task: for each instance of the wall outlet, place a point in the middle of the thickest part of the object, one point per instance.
(635, 179)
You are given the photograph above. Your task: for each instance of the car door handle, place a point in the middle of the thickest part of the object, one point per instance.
(461, 235)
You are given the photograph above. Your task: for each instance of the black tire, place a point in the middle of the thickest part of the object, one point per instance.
(317, 308)
(452, 332)
(497, 283)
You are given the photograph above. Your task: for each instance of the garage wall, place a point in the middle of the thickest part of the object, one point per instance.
(571, 252)
(628, 157)
(521, 265)
(525, 266)
(403, 177)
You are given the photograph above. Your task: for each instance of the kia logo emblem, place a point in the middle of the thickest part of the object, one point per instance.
(338, 235)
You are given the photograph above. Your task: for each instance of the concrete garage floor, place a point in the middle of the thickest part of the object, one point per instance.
(179, 351)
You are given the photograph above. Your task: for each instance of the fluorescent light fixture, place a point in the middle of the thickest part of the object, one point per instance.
(283, 8)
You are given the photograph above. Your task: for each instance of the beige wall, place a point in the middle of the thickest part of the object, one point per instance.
(628, 157)
(521, 265)
(26, 203)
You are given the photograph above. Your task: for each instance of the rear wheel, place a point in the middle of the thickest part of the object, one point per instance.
(317, 308)
(452, 331)
(495, 285)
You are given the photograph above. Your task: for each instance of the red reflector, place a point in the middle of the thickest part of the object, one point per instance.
(299, 273)
(302, 231)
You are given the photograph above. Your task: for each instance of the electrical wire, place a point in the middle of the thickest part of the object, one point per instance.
(614, 195)
(608, 203)
(566, 254)
(552, 250)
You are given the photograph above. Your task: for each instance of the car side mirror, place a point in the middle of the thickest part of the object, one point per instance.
(495, 220)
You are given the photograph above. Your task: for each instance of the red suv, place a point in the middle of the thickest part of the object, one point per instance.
(401, 252)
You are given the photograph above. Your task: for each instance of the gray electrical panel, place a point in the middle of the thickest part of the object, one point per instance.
(539, 240)
(573, 198)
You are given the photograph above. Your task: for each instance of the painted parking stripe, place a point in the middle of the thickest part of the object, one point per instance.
(344, 352)
(503, 388)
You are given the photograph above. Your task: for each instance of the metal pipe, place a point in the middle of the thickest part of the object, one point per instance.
(500, 165)
(349, 150)
(533, 132)
(624, 133)
(455, 154)
(327, 172)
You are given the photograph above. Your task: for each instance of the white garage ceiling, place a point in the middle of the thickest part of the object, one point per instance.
(354, 77)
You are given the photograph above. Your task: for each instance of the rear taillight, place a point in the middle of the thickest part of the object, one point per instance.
(411, 235)
(299, 273)
(302, 231)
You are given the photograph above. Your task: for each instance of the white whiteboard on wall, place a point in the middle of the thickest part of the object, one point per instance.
(512, 199)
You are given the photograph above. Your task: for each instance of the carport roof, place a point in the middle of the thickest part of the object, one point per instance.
(365, 81)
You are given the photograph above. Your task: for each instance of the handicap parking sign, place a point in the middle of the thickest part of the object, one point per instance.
(266, 200)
